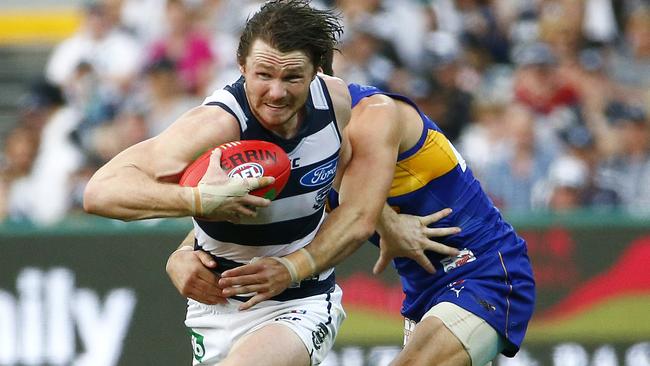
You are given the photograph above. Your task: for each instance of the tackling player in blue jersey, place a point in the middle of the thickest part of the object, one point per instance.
(476, 304)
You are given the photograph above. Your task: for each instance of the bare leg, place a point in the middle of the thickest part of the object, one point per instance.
(271, 345)
(432, 344)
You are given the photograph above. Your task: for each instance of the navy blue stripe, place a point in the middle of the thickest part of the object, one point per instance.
(328, 98)
(329, 307)
(283, 232)
(224, 106)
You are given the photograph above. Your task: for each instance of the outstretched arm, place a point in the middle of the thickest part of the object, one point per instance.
(142, 181)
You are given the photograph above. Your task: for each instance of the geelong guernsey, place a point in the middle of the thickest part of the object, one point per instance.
(293, 218)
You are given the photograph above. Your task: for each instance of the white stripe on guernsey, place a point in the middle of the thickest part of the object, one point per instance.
(289, 208)
(318, 94)
(316, 147)
(228, 99)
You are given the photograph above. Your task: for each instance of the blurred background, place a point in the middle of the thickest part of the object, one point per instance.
(547, 100)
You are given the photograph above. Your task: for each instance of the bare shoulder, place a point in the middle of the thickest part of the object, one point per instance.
(338, 89)
(341, 99)
(376, 103)
(200, 128)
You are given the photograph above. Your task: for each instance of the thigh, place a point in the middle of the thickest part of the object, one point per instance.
(432, 343)
(271, 345)
(221, 332)
(451, 335)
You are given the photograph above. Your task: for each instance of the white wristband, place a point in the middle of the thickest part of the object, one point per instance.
(208, 197)
(310, 259)
(289, 266)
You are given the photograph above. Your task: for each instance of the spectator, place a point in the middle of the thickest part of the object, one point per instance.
(165, 99)
(42, 196)
(537, 83)
(510, 181)
(187, 48)
(628, 171)
(19, 153)
(111, 53)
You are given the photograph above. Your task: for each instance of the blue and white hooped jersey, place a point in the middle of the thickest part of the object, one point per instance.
(293, 218)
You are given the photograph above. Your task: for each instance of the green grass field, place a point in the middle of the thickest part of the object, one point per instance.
(622, 319)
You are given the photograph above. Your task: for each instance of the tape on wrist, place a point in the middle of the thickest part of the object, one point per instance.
(197, 207)
(293, 272)
(310, 259)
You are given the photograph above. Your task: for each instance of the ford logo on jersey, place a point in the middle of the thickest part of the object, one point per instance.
(320, 175)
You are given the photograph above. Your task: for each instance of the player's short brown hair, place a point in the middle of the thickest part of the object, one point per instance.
(292, 25)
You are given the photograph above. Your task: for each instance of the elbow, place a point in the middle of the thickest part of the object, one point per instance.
(93, 200)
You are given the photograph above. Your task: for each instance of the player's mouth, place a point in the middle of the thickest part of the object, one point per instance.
(276, 106)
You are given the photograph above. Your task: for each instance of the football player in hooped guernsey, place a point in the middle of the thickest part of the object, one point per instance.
(473, 305)
(280, 99)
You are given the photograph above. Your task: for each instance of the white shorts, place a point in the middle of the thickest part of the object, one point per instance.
(215, 328)
(479, 339)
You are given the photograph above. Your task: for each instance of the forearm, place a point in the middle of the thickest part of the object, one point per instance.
(128, 193)
(342, 233)
(387, 219)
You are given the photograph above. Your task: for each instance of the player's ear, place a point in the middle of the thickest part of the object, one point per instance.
(242, 69)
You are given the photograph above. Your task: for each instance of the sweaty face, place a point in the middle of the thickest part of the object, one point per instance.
(277, 86)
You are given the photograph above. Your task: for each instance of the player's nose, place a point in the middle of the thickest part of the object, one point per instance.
(277, 90)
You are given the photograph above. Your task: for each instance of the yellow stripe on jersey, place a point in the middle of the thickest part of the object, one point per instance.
(434, 159)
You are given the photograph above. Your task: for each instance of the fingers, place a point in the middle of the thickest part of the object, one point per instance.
(244, 284)
(255, 300)
(214, 174)
(253, 202)
(441, 231)
(206, 259)
(205, 296)
(442, 249)
(246, 269)
(423, 261)
(435, 217)
(255, 183)
(381, 264)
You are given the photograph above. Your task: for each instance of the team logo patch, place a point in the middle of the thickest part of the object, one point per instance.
(320, 175)
(198, 347)
(318, 336)
(321, 197)
(247, 170)
(465, 256)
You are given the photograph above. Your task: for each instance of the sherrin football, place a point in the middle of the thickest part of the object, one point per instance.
(248, 159)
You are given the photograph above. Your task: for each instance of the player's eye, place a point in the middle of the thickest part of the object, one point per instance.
(293, 78)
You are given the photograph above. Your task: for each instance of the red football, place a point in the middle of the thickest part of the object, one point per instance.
(248, 159)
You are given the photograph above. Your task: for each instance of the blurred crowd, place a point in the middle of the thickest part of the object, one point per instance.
(547, 100)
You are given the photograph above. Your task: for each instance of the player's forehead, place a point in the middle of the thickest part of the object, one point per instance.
(264, 55)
